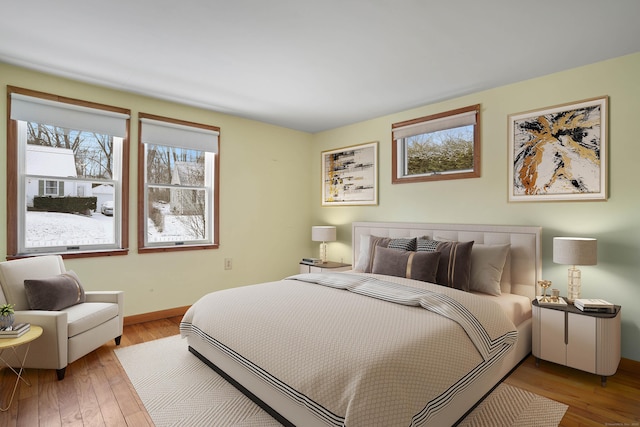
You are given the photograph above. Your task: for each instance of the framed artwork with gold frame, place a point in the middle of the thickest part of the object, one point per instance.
(559, 153)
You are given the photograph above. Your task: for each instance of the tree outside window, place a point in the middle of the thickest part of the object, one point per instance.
(437, 147)
(68, 158)
(178, 173)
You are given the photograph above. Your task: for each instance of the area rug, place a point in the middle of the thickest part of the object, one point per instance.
(508, 406)
(177, 389)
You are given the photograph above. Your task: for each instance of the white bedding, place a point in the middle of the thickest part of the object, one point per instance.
(388, 351)
(516, 307)
(521, 272)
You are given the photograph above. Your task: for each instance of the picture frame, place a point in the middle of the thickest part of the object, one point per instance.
(559, 153)
(350, 175)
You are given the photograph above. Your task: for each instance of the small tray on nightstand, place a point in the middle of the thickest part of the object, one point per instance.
(561, 302)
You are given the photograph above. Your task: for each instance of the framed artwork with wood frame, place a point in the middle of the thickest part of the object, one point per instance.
(437, 147)
(559, 152)
(350, 175)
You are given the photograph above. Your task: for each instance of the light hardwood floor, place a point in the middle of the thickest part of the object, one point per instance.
(97, 392)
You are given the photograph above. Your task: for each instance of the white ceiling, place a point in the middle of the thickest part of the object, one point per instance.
(313, 65)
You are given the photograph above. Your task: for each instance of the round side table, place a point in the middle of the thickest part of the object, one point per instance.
(11, 344)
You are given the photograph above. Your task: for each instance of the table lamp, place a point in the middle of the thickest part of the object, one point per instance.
(324, 234)
(574, 251)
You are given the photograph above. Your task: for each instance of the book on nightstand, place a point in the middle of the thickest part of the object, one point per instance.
(594, 305)
(15, 331)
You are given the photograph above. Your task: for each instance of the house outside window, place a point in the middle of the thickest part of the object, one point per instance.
(178, 185)
(67, 158)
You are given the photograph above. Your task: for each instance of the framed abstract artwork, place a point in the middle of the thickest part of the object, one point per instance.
(559, 153)
(350, 175)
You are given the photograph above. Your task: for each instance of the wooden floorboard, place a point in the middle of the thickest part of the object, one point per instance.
(590, 404)
(97, 392)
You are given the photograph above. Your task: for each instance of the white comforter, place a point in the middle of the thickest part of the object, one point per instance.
(356, 349)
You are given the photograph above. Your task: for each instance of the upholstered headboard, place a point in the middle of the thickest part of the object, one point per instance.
(524, 264)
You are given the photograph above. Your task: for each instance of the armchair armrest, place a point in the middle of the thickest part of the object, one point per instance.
(105, 296)
(50, 350)
(116, 297)
(46, 319)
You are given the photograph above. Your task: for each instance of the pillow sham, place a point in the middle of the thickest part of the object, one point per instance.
(454, 266)
(400, 263)
(404, 244)
(368, 246)
(487, 265)
(54, 293)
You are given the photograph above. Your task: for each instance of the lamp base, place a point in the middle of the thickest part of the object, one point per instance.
(323, 252)
(574, 285)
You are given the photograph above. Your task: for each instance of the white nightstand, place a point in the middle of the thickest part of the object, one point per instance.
(586, 341)
(327, 267)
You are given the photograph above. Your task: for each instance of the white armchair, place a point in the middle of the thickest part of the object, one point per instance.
(70, 333)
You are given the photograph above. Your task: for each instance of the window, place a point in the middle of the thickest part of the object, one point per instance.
(66, 158)
(51, 188)
(178, 183)
(437, 147)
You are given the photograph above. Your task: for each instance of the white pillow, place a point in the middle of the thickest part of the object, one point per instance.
(367, 248)
(363, 256)
(487, 264)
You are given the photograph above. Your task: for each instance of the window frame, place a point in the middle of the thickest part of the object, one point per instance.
(13, 180)
(142, 183)
(51, 191)
(399, 148)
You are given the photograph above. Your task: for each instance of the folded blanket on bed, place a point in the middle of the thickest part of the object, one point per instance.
(407, 295)
(393, 360)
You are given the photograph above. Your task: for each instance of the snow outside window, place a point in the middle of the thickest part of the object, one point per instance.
(67, 169)
(180, 184)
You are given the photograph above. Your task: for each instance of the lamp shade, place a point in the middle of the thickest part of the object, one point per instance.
(575, 250)
(323, 233)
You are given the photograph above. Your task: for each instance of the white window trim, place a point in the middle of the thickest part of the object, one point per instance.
(22, 208)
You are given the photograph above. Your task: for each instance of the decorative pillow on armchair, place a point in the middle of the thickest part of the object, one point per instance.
(54, 293)
(400, 263)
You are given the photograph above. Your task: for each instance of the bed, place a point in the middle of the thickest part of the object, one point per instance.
(383, 344)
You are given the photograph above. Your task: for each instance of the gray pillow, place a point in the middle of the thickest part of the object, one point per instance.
(54, 293)
(454, 267)
(487, 264)
(400, 263)
(368, 246)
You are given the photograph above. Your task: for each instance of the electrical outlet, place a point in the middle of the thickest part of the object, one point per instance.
(228, 263)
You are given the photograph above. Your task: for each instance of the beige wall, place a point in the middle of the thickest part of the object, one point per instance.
(271, 193)
(615, 223)
(262, 201)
